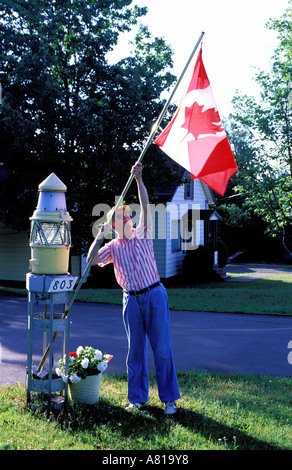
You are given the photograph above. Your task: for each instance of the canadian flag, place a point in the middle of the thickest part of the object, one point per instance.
(195, 137)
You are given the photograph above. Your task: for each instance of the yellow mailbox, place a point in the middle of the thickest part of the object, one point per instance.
(50, 235)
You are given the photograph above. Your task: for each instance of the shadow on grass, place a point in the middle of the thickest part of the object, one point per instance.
(152, 424)
(210, 428)
(110, 425)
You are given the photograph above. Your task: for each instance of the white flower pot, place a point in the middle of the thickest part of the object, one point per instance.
(87, 390)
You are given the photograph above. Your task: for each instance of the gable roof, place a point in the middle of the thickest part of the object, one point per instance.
(166, 195)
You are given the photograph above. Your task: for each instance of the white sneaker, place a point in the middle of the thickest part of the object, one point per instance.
(170, 408)
(134, 406)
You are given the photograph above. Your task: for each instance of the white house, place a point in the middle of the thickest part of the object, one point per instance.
(187, 223)
(14, 254)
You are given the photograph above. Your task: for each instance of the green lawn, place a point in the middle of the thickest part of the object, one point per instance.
(272, 295)
(216, 412)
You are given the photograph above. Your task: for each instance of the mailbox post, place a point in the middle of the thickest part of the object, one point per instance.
(49, 285)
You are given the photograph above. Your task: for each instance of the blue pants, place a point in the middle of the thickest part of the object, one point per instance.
(148, 315)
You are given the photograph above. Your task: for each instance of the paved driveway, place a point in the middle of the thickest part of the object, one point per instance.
(211, 341)
(246, 272)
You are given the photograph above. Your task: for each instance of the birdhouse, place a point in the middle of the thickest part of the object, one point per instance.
(50, 235)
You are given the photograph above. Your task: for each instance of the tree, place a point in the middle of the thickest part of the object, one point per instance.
(66, 110)
(261, 134)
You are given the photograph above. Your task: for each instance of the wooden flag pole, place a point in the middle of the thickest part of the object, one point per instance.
(158, 122)
(125, 190)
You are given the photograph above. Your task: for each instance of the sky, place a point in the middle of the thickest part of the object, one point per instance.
(235, 44)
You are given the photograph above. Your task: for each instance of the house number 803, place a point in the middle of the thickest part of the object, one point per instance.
(61, 284)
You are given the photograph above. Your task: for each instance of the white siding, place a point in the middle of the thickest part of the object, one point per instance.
(14, 254)
(170, 263)
(174, 213)
(159, 251)
(200, 233)
(159, 237)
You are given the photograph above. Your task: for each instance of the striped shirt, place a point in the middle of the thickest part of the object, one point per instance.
(134, 261)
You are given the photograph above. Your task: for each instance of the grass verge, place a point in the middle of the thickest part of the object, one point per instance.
(216, 412)
(270, 296)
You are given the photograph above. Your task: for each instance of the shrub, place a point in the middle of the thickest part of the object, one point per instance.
(222, 254)
(198, 265)
(101, 277)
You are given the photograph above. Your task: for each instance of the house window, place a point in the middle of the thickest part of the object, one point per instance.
(189, 190)
(175, 236)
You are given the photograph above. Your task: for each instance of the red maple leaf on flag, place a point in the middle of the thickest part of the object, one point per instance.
(199, 122)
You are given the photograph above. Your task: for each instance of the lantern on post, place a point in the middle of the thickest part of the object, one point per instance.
(48, 285)
(50, 237)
